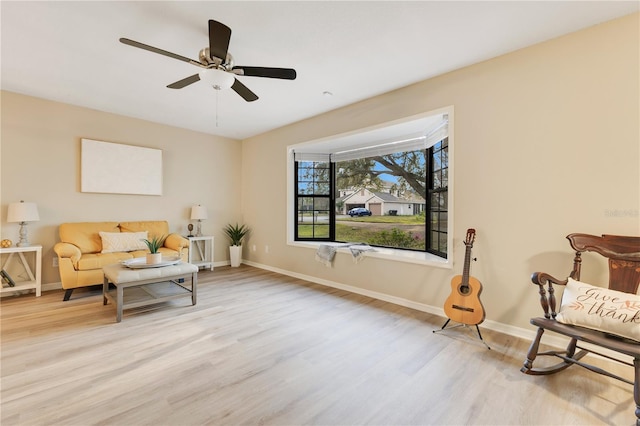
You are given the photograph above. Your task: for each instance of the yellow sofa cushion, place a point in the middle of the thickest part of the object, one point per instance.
(156, 228)
(86, 235)
(90, 261)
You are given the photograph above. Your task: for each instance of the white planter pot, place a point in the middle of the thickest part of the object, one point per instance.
(235, 254)
(154, 258)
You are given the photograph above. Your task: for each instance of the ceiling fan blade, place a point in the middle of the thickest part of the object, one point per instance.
(219, 36)
(244, 91)
(160, 51)
(184, 82)
(284, 73)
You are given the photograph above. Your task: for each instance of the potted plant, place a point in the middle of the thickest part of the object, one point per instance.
(236, 234)
(154, 244)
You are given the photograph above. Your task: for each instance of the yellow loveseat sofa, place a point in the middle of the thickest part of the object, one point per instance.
(85, 247)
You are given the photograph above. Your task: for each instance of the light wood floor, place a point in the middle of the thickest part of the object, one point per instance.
(260, 348)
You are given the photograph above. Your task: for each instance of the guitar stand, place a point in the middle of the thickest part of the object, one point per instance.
(462, 325)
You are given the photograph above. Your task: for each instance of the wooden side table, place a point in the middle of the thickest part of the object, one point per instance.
(201, 251)
(15, 254)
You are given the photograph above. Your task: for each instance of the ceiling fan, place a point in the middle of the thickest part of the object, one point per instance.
(219, 70)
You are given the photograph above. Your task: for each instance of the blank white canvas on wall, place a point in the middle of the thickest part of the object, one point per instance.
(120, 169)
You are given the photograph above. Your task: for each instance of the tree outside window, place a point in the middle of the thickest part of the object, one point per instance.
(411, 185)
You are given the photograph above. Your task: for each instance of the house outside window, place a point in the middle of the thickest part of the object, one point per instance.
(396, 191)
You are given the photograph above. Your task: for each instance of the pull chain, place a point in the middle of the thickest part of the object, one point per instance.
(217, 91)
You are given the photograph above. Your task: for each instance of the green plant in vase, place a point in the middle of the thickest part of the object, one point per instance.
(155, 243)
(236, 234)
(154, 256)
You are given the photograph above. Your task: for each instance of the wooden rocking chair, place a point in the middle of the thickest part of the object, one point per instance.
(624, 275)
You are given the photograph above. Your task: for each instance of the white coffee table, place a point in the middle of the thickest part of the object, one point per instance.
(146, 286)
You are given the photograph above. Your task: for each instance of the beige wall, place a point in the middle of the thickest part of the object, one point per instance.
(546, 144)
(41, 159)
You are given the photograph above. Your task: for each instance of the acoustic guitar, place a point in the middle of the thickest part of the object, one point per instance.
(463, 304)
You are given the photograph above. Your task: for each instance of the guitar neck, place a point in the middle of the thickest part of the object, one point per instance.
(465, 270)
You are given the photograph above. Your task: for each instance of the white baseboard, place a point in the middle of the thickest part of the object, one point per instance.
(52, 286)
(526, 334)
(492, 325)
(550, 339)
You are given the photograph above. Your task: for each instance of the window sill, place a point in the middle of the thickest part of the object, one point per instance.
(421, 258)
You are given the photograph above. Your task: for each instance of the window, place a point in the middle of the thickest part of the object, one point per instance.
(314, 200)
(387, 188)
(438, 189)
(374, 208)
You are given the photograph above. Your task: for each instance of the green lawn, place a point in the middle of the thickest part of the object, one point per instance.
(347, 233)
(389, 237)
(403, 220)
(344, 233)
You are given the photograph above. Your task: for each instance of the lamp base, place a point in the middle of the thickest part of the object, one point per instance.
(24, 241)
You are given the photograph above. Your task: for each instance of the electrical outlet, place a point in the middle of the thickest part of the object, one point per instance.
(266, 249)
(54, 262)
(253, 248)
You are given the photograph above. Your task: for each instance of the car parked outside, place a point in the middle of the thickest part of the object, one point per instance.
(359, 211)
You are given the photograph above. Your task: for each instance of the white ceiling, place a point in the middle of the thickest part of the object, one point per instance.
(69, 52)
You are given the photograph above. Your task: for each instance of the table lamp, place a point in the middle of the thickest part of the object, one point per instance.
(199, 213)
(22, 213)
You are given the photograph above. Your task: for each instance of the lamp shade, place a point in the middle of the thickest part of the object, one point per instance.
(217, 79)
(23, 212)
(198, 213)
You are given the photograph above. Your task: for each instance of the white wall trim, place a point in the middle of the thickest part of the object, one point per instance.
(492, 325)
(550, 339)
(52, 286)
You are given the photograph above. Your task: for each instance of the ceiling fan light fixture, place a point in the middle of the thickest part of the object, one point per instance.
(218, 70)
(216, 78)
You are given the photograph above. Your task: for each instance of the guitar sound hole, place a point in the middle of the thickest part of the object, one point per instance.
(465, 289)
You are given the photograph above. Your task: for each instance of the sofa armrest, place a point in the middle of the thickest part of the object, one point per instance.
(176, 242)
(68, 250)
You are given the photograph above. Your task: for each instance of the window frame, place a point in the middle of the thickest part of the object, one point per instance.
(330, 196)
(393, 254)
(431, 189)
